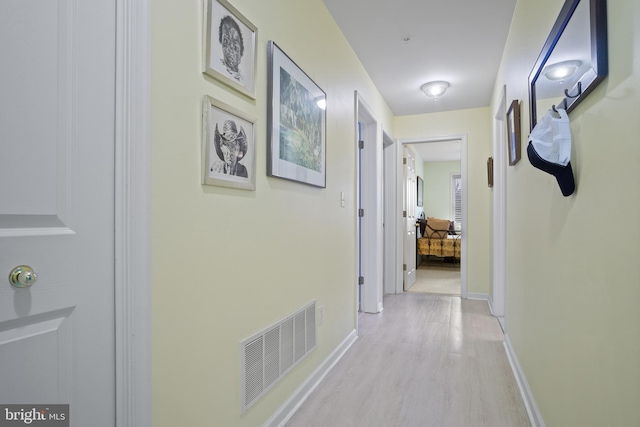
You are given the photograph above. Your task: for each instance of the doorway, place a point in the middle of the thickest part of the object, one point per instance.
(450, 140)
(437, 253)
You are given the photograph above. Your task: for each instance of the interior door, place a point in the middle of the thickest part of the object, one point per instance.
(409, 212)
(57, 103)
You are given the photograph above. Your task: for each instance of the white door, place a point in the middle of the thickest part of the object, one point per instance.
(410, 203)
(57, 102)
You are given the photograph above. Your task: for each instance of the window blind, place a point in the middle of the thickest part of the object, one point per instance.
(456, 199)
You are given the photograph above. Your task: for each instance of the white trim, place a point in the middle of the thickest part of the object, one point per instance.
(535, 417)
(465, 215)
(399, 222)
(358, 181)
(132, 214)
(463, 172)
(370, 194)
(392, 282)
(502, 322)
(499, 190)
(501, 319)
(478, 296)
(293, 403)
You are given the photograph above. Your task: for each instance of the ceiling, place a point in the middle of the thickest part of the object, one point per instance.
(438, 151)
(403, 44)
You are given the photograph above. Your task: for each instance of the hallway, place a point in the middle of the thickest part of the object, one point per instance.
(426, 360)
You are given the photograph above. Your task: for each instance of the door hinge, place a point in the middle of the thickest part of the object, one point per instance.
(360, 213)
(404, 214)
(361, 280)
(404, 161)
(361, 144)
(404, 267)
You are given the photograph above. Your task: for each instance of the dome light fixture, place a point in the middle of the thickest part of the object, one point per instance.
(561, 70)
(435, 89)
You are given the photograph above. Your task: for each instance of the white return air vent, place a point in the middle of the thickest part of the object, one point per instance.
(268, 355)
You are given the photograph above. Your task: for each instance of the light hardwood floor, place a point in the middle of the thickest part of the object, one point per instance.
(437, 280)
(427, 361)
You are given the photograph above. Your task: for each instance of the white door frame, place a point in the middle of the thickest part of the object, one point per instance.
(463, 172)
(499, 263)
(392, 230)
(369, 190)
(132, 214)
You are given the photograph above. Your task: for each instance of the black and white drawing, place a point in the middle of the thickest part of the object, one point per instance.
(230, 47)
(228, 146)
(230, 38)
(231, 147)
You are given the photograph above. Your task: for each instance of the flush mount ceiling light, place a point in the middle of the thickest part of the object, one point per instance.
(435, 89)
(561, 70)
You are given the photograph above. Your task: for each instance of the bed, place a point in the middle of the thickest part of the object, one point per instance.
(438, 238)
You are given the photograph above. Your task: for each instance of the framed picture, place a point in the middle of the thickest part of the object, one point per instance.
(229, 47)
(420, 187)
(228, 146)
(490, 171)
(513, 132)
(296, 115)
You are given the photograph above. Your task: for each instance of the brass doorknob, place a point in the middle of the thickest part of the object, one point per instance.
(22, 276)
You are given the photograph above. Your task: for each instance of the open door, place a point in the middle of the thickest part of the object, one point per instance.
(57, 220)
(409, 214)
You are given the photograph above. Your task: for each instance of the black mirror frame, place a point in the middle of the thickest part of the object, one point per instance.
(599, 55)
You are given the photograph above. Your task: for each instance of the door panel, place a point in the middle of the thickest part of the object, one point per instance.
(38, 375)
(57, 103)
(36, 107)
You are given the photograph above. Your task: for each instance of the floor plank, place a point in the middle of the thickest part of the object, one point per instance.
(437, 280)
(426, 360)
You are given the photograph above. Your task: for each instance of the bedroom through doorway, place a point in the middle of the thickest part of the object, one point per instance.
(438, 208)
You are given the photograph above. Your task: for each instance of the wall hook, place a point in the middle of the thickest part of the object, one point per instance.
(566, 91)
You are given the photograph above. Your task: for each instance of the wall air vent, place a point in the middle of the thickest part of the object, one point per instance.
(271, 353)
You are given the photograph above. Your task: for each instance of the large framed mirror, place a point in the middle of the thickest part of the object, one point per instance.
(573, 61)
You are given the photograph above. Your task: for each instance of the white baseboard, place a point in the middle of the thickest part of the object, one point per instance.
(535, 417)
(484, 297)
(501, 319)
(288, 408)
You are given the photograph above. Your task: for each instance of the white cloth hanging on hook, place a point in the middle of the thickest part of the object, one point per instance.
(549, 149)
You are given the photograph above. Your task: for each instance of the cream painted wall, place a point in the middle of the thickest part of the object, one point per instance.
(227, 263)
(437, 188)
(476, 124)
(573, 276)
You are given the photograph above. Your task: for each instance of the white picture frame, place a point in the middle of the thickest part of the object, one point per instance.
(229, 47)
(228, 146)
